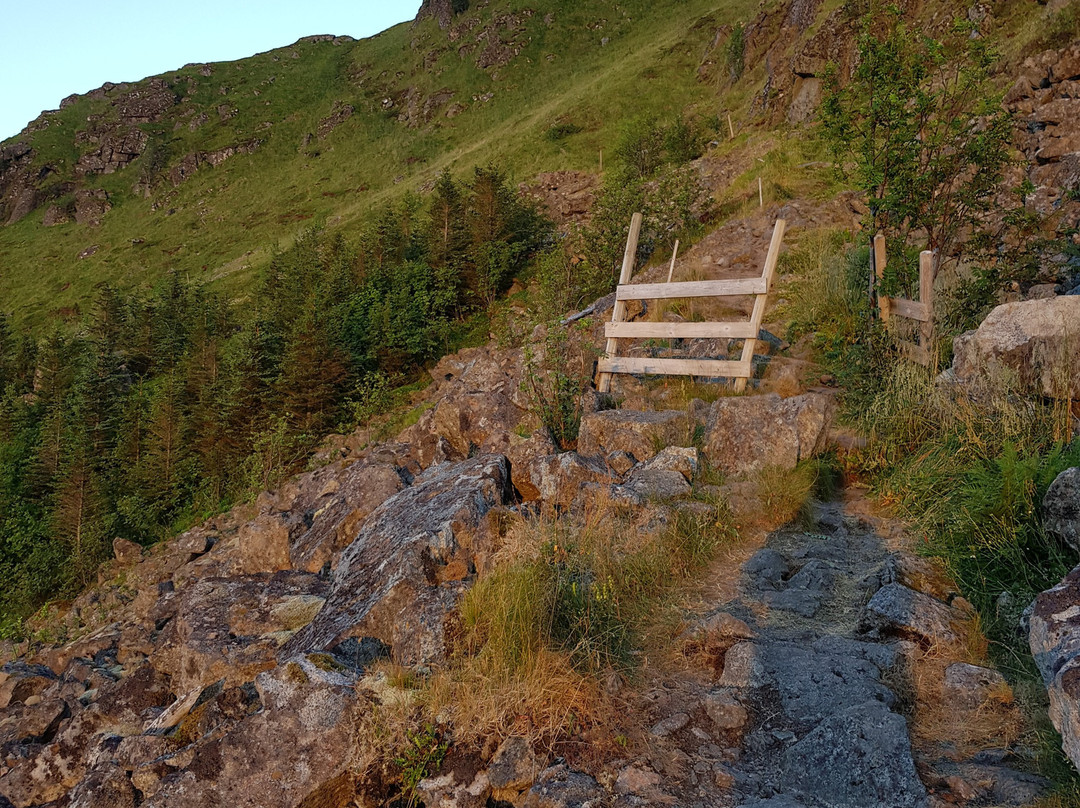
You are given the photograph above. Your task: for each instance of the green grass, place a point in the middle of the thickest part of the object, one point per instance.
(223, 223)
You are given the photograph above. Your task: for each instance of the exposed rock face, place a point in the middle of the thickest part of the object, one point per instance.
(388, 584)
(478, 404)
(91, 204)
(1046, 96)
(231, 628)
(192, 162)
(443, 11)
(749, 433)
(560, 478)
(295, 749)
(340, 113)
(563, 787)
(115, 150)
(1035, 342)
(1054, 637)
(1061, 508)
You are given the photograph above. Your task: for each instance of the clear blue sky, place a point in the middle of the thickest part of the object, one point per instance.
(53, 49)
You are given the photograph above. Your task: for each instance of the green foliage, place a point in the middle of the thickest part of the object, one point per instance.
(561, 131)
(927, 134)
(590, 589)
(172, 405)
(556, 381)
(421, 757)
(735, 52)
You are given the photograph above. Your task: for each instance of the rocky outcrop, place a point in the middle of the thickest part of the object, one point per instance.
(1061, 508)
(1054, 638)
(193, 161)
(230, 629)
(400, 578)
(1046, 98)
(639, 434)
(442, 11)
(114, 150)
(294, 751)
(1032, 344)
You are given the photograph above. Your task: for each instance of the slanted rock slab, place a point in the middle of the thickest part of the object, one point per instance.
(1061, 508)
(387, 584)
(897, 609)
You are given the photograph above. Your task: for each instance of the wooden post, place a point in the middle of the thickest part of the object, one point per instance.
(884, 305)
(601, 161)
(758, 314)
(730, 128)
(603, 384)
(670, 272)
(760, 194)
(671, 269)
(926, 297)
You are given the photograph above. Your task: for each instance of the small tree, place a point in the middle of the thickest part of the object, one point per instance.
(927, 134)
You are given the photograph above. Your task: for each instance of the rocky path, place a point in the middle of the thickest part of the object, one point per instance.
(797, 693)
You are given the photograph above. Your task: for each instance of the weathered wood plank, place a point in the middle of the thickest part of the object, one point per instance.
(909, 308)
(880, 262)
(758, 314)
(916, 353)
(662, 366)
(926, 297)
(657, 291)
(603, 383)
(680, 330)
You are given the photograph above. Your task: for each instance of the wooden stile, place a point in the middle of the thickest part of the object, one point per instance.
(921, 310)
(758, 313)
(740, 369)
(660, 291)
(603, 384)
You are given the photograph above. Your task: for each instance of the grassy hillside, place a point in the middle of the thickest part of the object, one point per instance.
(592, 65)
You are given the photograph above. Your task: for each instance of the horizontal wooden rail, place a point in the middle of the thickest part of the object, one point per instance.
(916, 353)
(680, 330)
(657, 291)
(909, 308)
(674, 367)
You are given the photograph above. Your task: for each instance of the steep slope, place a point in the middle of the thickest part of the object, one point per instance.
(206, 168)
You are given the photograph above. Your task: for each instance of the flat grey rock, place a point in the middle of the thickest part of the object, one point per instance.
(858, 758)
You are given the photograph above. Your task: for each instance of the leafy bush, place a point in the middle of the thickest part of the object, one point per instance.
(928, 135)
(561, 131)
(735, 52)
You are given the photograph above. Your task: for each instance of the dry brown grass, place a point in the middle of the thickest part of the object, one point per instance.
(936, 721)
(536, 658)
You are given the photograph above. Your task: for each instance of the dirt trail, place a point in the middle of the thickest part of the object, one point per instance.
(794, 698)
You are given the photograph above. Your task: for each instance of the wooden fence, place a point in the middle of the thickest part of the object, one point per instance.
(921, 310)
(740, 370)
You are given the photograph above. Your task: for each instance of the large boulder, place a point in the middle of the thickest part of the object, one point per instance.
(1034, 342)
(1054, 638)
(641, 434)
(401, 578)
(314, 516)
(750, 433)
(559, 478)
(1061, 508)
